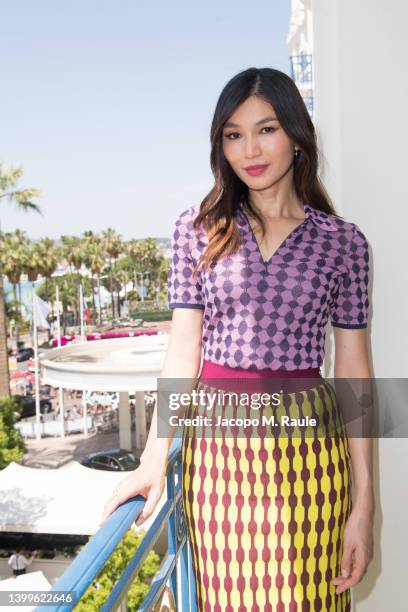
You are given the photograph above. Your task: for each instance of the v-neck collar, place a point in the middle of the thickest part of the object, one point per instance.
(318, 217)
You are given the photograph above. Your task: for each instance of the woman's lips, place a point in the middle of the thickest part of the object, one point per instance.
(256, 170)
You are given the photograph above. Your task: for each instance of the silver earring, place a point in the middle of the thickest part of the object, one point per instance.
(298, 153)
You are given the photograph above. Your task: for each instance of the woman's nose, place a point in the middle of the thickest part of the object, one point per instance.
(252, 148)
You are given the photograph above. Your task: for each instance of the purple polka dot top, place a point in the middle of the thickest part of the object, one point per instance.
(272, 314)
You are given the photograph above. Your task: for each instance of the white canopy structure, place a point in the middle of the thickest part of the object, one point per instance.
(69, 500)
(124, 365)
(32, 581)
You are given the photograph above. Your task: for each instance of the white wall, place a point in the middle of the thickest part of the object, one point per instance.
(361, 96)
(361, 100)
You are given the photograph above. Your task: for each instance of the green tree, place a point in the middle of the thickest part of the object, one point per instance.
(68, 291)
(146, 257)
(14, 317)
(12, 447)
(98, 592)
(49, 255)
(113, 247)
(13, 256)
(94, 261)
(23, 199)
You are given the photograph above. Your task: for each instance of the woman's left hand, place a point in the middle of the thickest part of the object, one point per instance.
(357, 550)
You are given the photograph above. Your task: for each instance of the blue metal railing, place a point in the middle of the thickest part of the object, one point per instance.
(301, 70)
(92, 558)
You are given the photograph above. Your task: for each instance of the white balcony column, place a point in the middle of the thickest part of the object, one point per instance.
(62, 409)
(85, 413)
(125, 433)
(140, 420)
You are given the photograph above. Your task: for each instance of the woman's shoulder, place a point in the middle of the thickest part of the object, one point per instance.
(349, 229)
(184, 220)
(343, 228)
(188, 215)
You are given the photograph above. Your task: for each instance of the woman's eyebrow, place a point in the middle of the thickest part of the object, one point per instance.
(264, 120)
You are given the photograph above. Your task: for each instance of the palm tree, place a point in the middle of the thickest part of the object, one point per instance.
(146, 257)
(74, 254)
(50, 255)
(162, 278)
(122, 278)
(13, 255)
(13, 315)
(68, 243)
(23, 240)
(33, 264)
(22, 198)
(94, 261)
(113, 246)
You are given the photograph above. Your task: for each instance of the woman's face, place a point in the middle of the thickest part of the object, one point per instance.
(255, 144)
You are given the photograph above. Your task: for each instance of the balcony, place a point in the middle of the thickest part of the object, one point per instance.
(301, 67)
(175, 572)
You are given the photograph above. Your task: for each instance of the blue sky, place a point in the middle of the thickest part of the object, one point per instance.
(107, 104)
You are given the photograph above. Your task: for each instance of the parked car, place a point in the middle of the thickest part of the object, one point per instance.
(28, 408)
(24, 354)
(114, 460)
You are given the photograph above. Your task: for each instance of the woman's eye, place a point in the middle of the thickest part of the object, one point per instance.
(236, 135)
(229, 136)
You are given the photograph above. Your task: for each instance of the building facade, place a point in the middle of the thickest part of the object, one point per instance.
(300, 45)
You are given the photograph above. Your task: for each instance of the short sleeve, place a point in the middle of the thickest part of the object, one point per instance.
(350, 305)
(184, 290)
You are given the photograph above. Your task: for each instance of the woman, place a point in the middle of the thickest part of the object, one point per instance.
(257, 270)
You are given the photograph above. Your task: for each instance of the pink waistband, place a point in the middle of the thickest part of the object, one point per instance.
(216, 370)
(255, 380)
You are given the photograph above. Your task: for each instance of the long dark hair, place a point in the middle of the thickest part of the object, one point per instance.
(218, 208)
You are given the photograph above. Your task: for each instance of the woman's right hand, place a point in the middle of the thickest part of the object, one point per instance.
(147, 480)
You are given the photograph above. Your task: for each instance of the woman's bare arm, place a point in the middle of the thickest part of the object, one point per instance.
(182, 360)
(352, 364)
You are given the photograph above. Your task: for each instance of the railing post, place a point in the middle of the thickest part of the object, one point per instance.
(188, 587)
(191, 580)
(184, 576)
(91, 560)
(171, 533)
